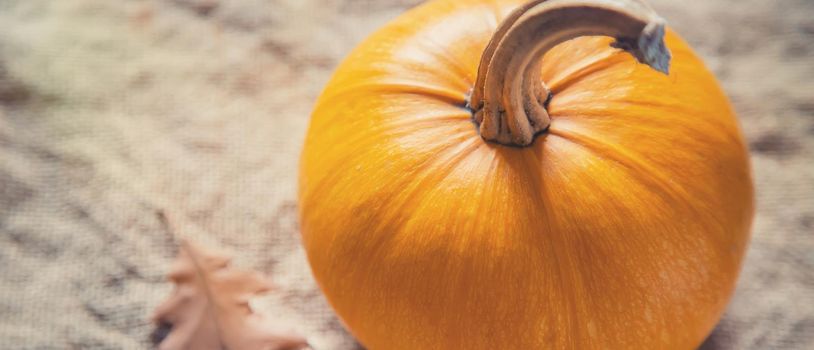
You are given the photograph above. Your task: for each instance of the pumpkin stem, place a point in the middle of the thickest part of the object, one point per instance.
(509, 99)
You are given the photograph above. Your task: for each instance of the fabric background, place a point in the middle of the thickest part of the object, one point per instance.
(110, 110)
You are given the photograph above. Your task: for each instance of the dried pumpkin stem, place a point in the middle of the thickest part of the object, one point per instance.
(509, 97)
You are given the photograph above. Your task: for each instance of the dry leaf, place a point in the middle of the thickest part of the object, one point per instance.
(209, 308)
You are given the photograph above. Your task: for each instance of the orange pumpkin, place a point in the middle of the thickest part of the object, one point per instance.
(473, 179)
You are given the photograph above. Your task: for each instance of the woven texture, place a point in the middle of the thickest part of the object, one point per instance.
(111, 110)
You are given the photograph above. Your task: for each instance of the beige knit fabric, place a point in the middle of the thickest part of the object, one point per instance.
(110, 110)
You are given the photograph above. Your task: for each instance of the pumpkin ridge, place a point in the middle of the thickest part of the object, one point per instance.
(676, 109)
(413, 187)
(426, 166)
(562, 83)
(568, 273)
(652, 178)
(454, 156)
(437, 51)
(572, 277)
(398, 126)
(440, 121)
(441, 93)
(652, 116)
(428, 173)
(668, 190)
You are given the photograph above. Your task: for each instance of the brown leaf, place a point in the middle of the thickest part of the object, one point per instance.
(209, 308)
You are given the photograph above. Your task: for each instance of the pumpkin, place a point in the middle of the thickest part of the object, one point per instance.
(498, 174)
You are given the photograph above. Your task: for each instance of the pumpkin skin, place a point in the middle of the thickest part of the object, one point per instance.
(621, 227)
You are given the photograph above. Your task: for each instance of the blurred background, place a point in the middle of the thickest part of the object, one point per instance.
(110, 110)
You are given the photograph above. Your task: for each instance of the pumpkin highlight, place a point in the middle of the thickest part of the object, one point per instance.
(469, 181)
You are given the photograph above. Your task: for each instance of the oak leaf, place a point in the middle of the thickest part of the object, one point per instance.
(209, 308)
